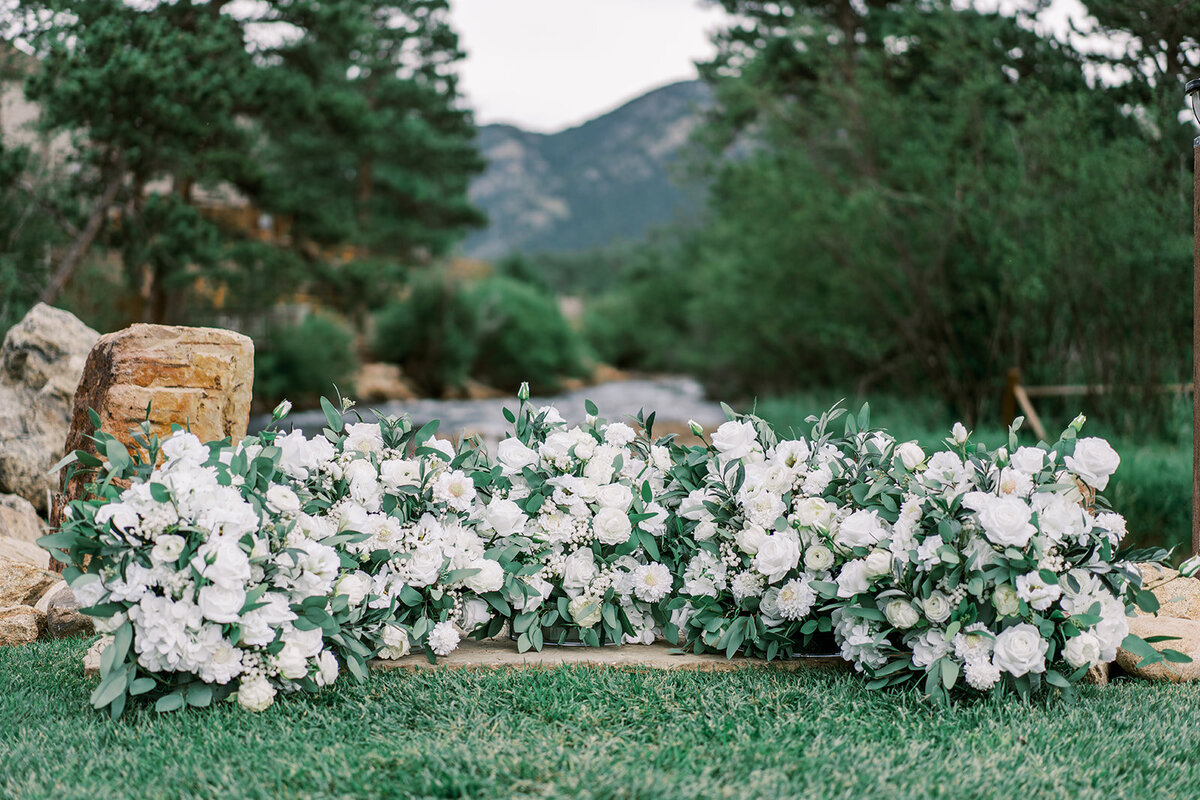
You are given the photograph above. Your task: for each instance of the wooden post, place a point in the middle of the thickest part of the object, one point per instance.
(1196, 348)
(1008, 406)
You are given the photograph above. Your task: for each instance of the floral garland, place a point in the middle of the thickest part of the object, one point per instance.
(219, 571)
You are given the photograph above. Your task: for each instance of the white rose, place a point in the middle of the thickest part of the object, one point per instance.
(960, 433)
(705, 530)
(1028, 460)
(1083, 650)
(615, 495)
(585, 611)
(1094, 461)
(750, 538)
(1005, 520)
(283, 500)
(167, 548)
(397, 472)
(579, 569)
(901, 614)
(474, 614)
(611, 526)
(911, 455)
(852, 579)
(221, 604)
(818, 558)
(878, 564)
(424, 565)
(735, 440)
(1020, 649)
(1006, 600)
(814, 513)
(490, 577)
(514, 456)
(777, 555)
(505, 517)
(255, 694)
(395, 642)
(860, 529)
(355, 586)
(936, 607)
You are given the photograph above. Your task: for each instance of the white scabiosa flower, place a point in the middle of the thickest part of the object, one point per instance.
(746, 584)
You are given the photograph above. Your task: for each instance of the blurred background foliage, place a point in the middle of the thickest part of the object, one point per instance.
(898, 200)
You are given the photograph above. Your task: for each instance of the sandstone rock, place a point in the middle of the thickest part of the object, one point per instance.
(377, 383)
(197, 377)
(40, 363)
(18, 550)
(63, 618)
(1177, 596)
(1097, 675)
(91, 659)
(23, 584)
(1188, 642)
(20, 625)
(19, 519)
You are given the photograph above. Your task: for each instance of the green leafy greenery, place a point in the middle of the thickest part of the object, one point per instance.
(301, 362)
(591, 733)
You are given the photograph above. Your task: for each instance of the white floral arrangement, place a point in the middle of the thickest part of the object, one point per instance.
(404, 508)
(761, 527)
(1003, 571)
(202, 578)
(575, 511)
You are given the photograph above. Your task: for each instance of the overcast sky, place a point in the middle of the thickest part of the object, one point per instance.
(546, 65)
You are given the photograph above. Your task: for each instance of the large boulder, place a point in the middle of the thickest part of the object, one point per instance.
(1177, 596)
(41, 361)
(63, 617)
(19, 519)
(20, 625)
(1186, 633)
(19, 550)
(23, 584)
(200, 378)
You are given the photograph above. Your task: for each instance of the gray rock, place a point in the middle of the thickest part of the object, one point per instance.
(23, 584)
(18, 550)
(63, 618)
(20, 625)
(41, 361)
(1185, 635)
(19, 519)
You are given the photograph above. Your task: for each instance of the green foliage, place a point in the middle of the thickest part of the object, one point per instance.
(302, 362)
(26, 233)
(430, 333)
(522, 336)
(764, 733)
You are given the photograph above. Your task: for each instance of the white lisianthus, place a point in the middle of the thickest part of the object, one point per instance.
(1036, 592)
(397, 472)
(1006, 600)
(735, 440)
(777, 555)
(396, 643)
(1020, 650)
(929, 647)
(505, 517)
(168, 548)
(618, 434)
(959, 433)
(283, 500)
(363, 437)
(611, 526)
(814, 513)
(220, 603)
(1005, 521)
(901, 614)
(704, 530)
(255, 693)
(354, 586)
(475, 613)
(911, 455)
(1028, 460)
(852, 580)
(750, 538)
(1094, 461)
(585, 611)
(693, 505)
(860, 529)
(515, 456)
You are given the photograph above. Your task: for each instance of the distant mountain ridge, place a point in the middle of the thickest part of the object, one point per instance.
(607, 180)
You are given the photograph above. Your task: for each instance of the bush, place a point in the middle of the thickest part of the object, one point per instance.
(302, 362)
(522, 336)
(430, 333)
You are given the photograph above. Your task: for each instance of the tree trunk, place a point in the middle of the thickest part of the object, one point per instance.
(66, 267)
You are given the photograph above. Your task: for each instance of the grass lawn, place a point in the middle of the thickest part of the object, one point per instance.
(585, 733)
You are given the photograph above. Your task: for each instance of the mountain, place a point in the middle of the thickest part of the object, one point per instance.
(607, 180)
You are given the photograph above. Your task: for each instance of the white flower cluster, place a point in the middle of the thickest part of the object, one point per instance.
(577, 506)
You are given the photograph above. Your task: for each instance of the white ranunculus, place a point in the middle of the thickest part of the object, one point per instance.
(777, 555)
(735, 440)
(255, 693)
(585, 611)
(936, 607)
(818, 558)
(1005, 521)
(911, 455)
(1028, 460)
(1020, 649)
(750, 538)
(167, 548)
(1083, 650)
(122, 516)
(490, 577)
(579, 569)
(505, 517)
(611, 526)
(1006, 600)
(615, 495)
(221, 604)
(901, 614)
(283, 500)
(860, 529)
(1094, 461)
(474, 614)
(355, 586)
(514, 456)
(853, 579)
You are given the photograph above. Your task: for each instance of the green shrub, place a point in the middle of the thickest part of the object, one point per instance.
(522, 336)
(302, 362)
(430, 333)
